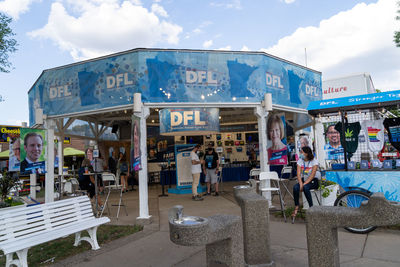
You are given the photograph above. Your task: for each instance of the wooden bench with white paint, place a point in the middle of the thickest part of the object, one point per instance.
(23, 228)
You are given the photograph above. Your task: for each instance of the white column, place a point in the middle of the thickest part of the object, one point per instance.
(319, 142)
(49, 183)
(143, 179)
(33, 184)
(262, 137)
(60, 154)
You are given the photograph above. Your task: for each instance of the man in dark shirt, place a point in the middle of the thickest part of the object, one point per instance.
(210, 169)
(112, 163)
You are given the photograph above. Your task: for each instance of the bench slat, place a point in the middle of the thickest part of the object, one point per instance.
(29, 221)
(45, 237)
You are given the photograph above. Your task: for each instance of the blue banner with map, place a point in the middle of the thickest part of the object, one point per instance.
(172, 76)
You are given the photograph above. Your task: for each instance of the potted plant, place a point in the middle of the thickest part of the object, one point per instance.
(7, 182)
(325, 195)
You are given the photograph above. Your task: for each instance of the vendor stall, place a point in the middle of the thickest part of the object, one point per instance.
(365, 157)
(121, 94)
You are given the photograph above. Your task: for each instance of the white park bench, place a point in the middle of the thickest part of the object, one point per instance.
(25, 227)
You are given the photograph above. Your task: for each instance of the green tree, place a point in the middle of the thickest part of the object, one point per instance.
(7, 43)
(397, 34)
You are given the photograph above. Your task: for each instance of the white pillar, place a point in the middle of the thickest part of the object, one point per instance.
(262, 114)
(60, 154)
(49, 183)
(319, 142)
(143, 179)
(33, 184)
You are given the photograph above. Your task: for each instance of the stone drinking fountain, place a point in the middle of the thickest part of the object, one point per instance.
(221, 234)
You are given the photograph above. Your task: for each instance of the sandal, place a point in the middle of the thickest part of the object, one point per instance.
(294, 213)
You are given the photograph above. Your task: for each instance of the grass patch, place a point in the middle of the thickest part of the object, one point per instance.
(62, 248)
(289, 211)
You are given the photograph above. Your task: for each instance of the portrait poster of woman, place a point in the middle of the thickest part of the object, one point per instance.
(276, 144)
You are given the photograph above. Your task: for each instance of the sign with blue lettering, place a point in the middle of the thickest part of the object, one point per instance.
(171, 76)
(189, 121)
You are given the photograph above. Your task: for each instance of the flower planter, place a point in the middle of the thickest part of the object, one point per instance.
(317, 198)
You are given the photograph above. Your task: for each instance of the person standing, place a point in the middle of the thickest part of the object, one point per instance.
(196, 170)
(210, 169)
(112, 163)
(123, 168)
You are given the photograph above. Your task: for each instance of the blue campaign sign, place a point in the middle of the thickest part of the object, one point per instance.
(185, 121)
(172, 76)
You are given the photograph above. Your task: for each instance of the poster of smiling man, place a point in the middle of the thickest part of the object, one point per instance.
(33, 150)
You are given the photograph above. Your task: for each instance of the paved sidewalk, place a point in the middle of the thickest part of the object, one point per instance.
(152, 246)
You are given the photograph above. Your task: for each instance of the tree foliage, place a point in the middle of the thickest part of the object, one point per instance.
(7, 43)
(397, 34)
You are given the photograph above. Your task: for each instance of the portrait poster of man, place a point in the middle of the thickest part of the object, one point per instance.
(333, 148)
(135, 146)
(14, 155)
(33, 150)
(276, 144)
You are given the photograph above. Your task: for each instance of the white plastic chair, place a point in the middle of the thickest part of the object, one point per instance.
(266, 177)
(112, 184)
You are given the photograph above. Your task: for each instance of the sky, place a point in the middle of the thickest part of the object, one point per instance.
(340, 37)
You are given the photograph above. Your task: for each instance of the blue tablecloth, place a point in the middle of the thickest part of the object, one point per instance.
(235, 174)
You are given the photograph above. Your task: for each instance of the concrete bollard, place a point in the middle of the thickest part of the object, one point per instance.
(255, 219)
(221, 234)
(323, 221)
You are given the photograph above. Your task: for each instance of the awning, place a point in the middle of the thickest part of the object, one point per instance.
(69, 151)
(4, 154)
(358, 102)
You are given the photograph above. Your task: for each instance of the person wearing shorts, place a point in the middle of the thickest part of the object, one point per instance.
(210, 169)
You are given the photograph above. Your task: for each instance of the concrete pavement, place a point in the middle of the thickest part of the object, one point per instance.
(152, 246)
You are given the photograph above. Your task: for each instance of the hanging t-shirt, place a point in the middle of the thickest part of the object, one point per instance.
(392, 126)
(374, 132)
(351, 132)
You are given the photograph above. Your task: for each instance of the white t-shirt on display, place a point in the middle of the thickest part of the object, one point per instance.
(196, 168)
(374, 131)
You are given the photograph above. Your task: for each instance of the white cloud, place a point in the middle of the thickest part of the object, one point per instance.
(289, 1)
(105, 26)
(362, 35)
(198, 30)
(159, 10)
(228, 47)
(234, 4)
(208, 44)
(15, 8)
(244, 48)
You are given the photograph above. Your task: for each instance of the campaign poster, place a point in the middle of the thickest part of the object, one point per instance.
(7, 133)
(333, 148)
(15, 155)
(135, 144)
(276, 135)
(33, 151)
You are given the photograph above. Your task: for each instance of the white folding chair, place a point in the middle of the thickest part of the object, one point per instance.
(254, 174)
(286, 177)
(112, 184)
(266, 179)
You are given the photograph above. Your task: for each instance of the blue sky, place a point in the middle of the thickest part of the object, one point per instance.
(342, 37)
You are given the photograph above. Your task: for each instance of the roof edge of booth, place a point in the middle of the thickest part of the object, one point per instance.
(140, 49)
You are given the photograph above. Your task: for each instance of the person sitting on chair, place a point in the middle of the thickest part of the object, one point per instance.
(307, 167)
